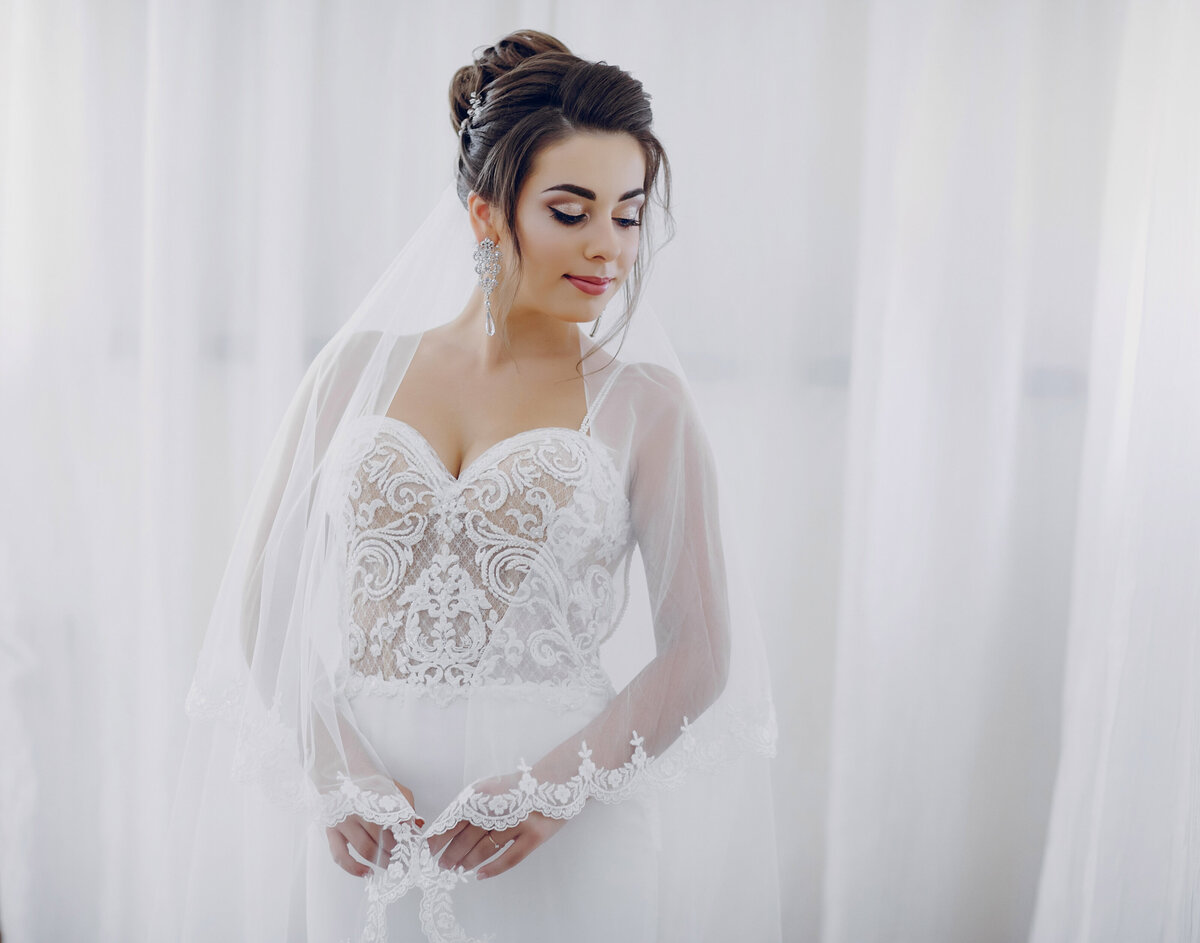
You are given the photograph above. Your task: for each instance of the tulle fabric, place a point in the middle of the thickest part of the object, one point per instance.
(558, 629)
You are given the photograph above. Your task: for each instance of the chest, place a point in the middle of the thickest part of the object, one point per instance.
(453, 581)
(547, 498)
(461, 413)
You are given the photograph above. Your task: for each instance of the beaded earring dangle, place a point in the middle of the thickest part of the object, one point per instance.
(487, 267)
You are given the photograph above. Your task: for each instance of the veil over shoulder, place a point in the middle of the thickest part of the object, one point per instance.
(557, 629)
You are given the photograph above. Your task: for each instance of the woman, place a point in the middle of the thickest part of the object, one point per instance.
(418, 634)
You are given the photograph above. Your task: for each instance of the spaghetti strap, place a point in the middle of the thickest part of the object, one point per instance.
(595, 404)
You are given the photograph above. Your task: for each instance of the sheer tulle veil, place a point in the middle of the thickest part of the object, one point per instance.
(656, 697)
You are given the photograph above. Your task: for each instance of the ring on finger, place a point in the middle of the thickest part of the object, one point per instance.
(488, 836)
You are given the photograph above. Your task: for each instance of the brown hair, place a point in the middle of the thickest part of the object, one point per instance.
(534, 94)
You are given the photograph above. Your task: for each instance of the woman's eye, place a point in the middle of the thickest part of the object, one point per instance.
(569, 220)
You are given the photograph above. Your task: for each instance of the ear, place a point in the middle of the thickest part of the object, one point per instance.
(484, 218)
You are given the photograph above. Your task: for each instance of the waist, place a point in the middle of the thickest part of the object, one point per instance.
(573, 691)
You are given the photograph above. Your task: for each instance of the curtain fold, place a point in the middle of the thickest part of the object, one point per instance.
(1123, 849)
(935, 280)
(975, 260)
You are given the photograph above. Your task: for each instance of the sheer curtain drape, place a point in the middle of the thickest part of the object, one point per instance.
(1122, 854)
(936, 286)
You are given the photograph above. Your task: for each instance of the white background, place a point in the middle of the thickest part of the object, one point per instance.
(936, 282)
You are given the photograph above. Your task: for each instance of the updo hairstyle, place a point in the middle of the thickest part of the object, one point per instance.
(535, 92)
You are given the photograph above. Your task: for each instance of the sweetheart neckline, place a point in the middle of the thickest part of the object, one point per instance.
(462, 472)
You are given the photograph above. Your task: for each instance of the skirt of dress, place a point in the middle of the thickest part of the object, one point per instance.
(596, 879)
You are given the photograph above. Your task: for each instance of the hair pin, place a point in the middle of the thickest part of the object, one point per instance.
(474, 103)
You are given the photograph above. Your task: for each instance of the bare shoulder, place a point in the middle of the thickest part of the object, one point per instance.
(655, 392)
(440, 341)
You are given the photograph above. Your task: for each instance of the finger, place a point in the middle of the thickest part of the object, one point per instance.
(384, 840)
(360, 839)
(341, 855)
(489, 846)
(441, 840)
(387, 842)
(522, 845)
(460, 847)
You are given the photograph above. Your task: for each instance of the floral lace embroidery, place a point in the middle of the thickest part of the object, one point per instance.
(505, 576)
(352, 799)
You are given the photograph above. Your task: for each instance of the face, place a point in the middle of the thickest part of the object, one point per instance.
(578, 218)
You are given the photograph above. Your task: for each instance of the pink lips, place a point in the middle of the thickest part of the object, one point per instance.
(592, 286)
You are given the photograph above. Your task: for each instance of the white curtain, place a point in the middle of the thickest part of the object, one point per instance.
(937, 283)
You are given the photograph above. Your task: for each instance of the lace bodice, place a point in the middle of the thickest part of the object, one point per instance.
(507, 576)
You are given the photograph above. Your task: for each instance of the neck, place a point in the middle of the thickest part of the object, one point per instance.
(520, 335)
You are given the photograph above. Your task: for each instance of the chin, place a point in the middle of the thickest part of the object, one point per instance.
(580, 317)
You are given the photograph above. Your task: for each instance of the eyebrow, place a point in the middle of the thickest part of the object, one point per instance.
(589, 195)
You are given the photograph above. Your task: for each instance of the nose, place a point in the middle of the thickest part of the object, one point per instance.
(602, 243)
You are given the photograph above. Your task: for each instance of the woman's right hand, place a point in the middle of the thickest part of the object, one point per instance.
(373, 842)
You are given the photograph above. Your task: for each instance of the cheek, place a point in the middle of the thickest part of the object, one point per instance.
(546, 252)
(630, 247)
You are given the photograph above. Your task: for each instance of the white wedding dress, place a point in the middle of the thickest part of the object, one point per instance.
(554, 630)
(475, 611)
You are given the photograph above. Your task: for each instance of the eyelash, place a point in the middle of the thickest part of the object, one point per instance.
(572, 220)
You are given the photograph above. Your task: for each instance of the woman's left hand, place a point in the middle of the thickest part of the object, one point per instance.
(468, 846)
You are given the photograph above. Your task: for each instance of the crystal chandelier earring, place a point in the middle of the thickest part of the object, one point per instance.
(487, 267)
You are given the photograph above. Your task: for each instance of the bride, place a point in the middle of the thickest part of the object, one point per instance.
(412, 665)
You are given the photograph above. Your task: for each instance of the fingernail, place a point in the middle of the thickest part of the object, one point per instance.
(482, 874)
